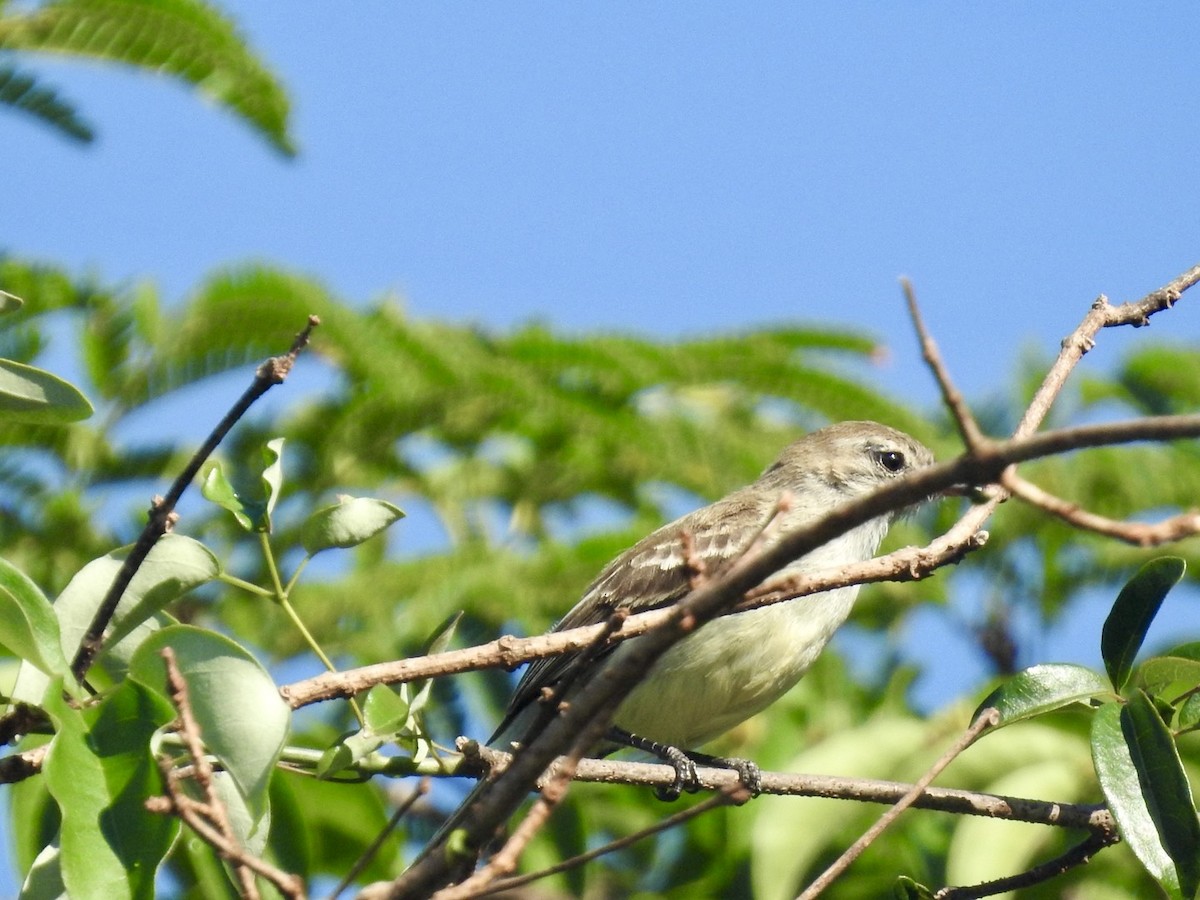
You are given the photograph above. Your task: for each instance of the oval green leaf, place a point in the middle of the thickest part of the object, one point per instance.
(1133, 611)
(31, 394)
(1040, 689)
(216, 488)
(1165, 787)
(1190, 650)
(1127, 749)
(100, 771)
(241, 716)
(1160, 671)
(44, 880)
(384, 710)
(1189, 714)
(28, 627)
(174, 566)
(348, 523)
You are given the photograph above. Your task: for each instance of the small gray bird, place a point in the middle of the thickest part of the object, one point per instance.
(736, 665)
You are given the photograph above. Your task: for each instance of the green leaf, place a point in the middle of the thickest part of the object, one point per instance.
(33, 816)
(241, 716)
(1190, 650)
(186, 39)
(250, 829)
(44, 881)
(100, 771)
(348, 749)
(174, 566)
(288, 849)
(1040, 689)
(1134, 610)
(1160, 671)
(385, 710)
(29, 394)
(348, 523)
(28, 628)
(388, 716)
(438, 641)
(1189, 714)
(23, 92)
(907, 889)
(251, 514)
(217, 489)
(1145, 787)
(272, 478)
(1165, 787)
(325, 818)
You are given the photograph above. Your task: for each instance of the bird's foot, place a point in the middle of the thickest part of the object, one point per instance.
(686, 778)
(684, 763)
(749, 774)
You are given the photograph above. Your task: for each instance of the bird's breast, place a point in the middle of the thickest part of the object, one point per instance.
(732, 668)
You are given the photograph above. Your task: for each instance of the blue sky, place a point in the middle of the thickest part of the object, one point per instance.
(668, 168)
(663, 167)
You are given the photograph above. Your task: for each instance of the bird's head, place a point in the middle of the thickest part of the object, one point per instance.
(850, 458)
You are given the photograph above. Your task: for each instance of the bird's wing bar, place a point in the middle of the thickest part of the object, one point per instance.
(652, 573)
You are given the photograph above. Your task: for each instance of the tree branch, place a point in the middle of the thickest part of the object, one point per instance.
(982, 467)
(989, 718)
(1078, 855)
(162, 511)
(983, 464)
(1139, 534)
(209, 818)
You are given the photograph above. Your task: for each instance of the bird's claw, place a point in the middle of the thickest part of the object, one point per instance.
(749, 774)
(686, 778)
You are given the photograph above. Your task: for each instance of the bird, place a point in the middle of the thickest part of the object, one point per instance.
(739, 664)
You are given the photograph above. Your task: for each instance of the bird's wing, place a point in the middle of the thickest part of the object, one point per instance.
(653, 572)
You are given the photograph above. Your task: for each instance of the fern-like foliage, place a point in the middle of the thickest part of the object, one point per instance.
(25, 93)
(505, 435)
(185, 39)
(535, 456)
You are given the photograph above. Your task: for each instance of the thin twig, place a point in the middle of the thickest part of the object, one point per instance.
(364, 858)
(193, 815)
(506, 884)
(987, 719)
(202, 770)
(553, 697)
(770, 525)
(1078, 855)
(19, 766)
(162, 510)
(1140, 534)
(1101, 315)
(596, 701)
(983, 466)
(22, 718)
(506, 858)
(967, 426)
(209, 818)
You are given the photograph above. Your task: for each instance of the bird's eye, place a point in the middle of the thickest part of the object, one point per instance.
(892, 460)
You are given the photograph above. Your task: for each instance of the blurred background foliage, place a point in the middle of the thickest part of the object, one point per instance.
(526, 459)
